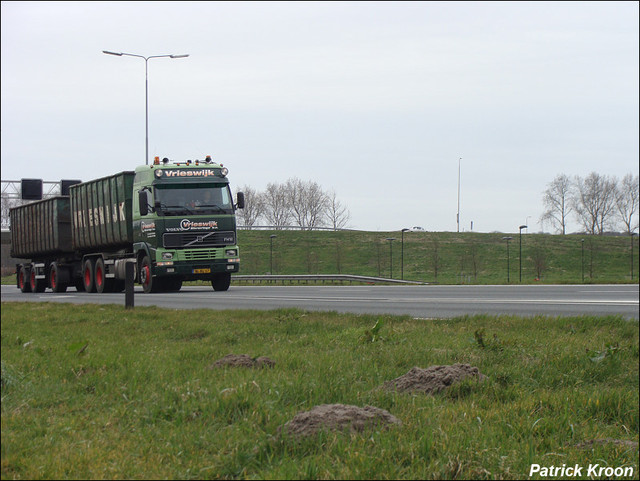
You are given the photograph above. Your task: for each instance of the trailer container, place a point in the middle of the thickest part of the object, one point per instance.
(102, 215)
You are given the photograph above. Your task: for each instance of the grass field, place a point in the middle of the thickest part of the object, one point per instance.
(91, 392)
(443, 257)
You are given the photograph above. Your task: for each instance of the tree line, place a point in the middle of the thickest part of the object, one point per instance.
(299, 203)
(599, 203)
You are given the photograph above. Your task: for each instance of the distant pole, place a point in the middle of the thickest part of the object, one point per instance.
(632, 234)
(271, 237)
(582, 242)
(508, 269)
(402, 257)
(458, 215)
(391, 239)
(521, 227)
(146, 91)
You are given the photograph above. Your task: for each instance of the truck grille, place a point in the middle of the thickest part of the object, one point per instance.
(199, 255)
(212, 239)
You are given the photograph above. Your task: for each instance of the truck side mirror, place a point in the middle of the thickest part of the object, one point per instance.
(143, 201)
(240, 200)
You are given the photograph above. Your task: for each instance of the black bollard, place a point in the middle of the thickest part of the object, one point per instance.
(128, 284)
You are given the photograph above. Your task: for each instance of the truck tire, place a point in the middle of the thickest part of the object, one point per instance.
(221, 282)
(23, 279)
(102, 283)
(56, 279)
(149, 284)
(88, 276)
(37, 285)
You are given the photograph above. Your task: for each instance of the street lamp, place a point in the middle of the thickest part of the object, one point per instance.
(507, 239)
(146, 90)
(521, 227)
(582, 242)
(458, 215)
(402, 257)
(632, 234)
(271, 237)
(390, 239)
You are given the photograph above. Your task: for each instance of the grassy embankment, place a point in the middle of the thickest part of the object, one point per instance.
(92, 392)
(443, 257)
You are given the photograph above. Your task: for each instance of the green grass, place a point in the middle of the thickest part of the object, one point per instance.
(92, 392)
(458, 258)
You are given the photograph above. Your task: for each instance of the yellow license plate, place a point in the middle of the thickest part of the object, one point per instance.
(202, 271)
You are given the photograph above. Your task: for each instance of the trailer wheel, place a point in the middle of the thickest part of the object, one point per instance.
(221, 282)
(56, 281)
(37, 285)
(88, 278)
(23, 280)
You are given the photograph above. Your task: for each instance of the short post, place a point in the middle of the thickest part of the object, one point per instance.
(129, 276)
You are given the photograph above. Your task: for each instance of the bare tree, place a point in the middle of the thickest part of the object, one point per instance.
(556, 203)
(307, 202)
(627, 202)
(337, 214)
(277, 210)
(594, 201)
(253, 208)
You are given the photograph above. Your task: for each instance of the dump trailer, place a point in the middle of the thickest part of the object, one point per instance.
(175, 221)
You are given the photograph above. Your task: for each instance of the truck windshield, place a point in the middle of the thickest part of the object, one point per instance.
(198, 199)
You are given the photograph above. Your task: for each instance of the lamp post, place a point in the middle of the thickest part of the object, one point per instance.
(458, 215)
(146, 90)
(507, 239)
(632, 234)
(521, 227)
(390, 239)
(271, 237)
(402, 257)
(582, 242)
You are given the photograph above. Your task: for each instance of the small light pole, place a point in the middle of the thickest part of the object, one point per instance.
(632, 234)
(390, 239)
(271, 237)
(402, 257)
(507, 239)
(146, 90)
(582, 243)
(458, 215)
(521, 227)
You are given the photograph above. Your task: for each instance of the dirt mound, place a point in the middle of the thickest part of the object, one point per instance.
(433, 379)
(243, 360)
(620, 442)
(338, 417)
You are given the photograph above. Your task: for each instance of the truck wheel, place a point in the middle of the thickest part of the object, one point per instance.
(56, 279)
(23, 280)
(221, 282)
(37, 285)
(146, 279)
(102, 283)
(88, 278)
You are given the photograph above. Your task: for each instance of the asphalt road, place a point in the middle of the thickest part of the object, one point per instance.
(416, 301)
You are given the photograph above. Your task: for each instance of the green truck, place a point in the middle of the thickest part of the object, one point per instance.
(175, 220)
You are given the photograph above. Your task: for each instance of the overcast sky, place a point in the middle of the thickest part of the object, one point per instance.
(377, 101)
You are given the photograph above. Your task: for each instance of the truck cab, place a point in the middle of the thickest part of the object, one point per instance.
(184, 224)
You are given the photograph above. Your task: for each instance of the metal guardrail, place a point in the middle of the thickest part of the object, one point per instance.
(324, 278)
